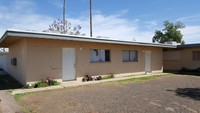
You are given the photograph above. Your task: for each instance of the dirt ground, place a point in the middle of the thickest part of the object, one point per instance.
(7, 101)
(167, 94)
(8, 104)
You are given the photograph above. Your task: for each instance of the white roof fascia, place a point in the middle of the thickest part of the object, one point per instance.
(45, 35)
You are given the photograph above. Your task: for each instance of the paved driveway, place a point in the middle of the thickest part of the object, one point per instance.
(167, 94)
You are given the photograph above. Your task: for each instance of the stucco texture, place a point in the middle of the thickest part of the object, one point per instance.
(41, 58)
(185, 59)
(18, 50)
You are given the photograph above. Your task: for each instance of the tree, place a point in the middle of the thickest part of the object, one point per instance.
(171, 32)
(64, 27)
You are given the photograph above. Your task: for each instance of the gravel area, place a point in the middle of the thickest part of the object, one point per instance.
(167, 94)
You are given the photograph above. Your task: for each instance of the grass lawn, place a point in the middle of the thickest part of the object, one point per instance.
(142, 79)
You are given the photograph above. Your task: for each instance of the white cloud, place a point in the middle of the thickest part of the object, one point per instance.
(193, 18)
(151, 24)
(56, 3)
(21, 16)
(114, 26)
(191, 34)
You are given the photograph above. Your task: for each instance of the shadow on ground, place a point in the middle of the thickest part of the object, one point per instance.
(193, 93)
(193, 73)
(8, 82)
(188, 73)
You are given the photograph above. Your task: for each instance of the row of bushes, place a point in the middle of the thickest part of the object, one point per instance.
(43, 83)
(51, 82)
(90, 78)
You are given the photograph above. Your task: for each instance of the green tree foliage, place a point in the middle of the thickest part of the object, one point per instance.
(171, 32)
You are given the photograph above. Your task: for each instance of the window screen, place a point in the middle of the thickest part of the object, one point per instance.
(129, 56)
(99, 55)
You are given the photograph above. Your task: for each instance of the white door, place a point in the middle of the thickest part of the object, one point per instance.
(147, 62)
(68, 64)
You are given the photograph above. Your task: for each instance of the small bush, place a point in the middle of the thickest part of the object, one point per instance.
(90, 78)
(108, 76)
(43, 83)
(87, 78)
(53, 83)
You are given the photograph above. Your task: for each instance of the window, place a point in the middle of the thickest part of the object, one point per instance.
(196, 55)
(99, 55)
(130, 56)
(14, 61)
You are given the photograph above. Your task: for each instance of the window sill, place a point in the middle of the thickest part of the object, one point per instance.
(129, 61)
(102, 62)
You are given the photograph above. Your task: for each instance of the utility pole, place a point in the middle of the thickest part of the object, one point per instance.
(90, 18)
(64, 5)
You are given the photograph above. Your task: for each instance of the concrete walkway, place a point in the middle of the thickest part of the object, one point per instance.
(77, 83)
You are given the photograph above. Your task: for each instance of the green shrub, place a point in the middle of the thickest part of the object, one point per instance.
(53, 83)
(108, 77)
(43, 83)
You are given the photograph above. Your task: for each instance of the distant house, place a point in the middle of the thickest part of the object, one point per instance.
(37, 55)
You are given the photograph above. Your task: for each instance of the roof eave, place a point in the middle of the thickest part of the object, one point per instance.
(76, 38)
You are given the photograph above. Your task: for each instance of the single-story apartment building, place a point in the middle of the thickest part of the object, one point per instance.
(184, 56)
(37, 55)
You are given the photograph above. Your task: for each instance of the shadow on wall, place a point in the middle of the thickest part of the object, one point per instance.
(8, 82)
(193, 93)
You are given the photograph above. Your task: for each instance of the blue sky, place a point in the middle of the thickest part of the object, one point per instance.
(117, 19)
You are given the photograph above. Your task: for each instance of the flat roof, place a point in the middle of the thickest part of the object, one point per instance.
(55, 36)
(188, 45)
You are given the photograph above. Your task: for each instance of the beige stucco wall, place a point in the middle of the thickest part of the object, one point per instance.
(186, 60)
(18, 50)
(44, 58)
